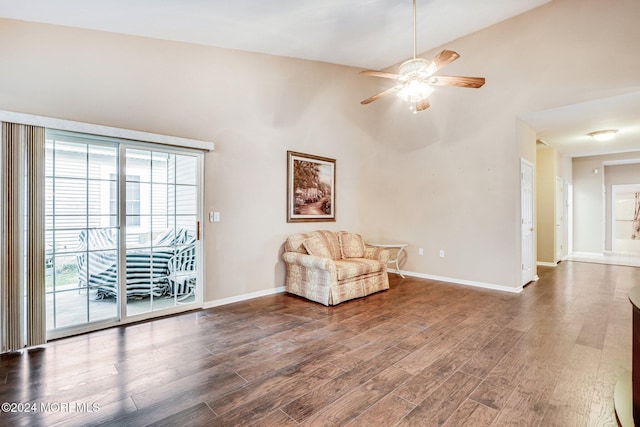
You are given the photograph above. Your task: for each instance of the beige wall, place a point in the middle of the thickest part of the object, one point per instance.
(456, 168)
(254, 107)
(547, 165)
(443, 179)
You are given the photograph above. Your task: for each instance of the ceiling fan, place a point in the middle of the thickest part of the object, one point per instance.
(416, 79)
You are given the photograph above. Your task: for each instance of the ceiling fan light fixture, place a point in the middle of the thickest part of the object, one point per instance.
(417, 67)
(415, 87)
(415, 79)
(415, 90)
(603, 135)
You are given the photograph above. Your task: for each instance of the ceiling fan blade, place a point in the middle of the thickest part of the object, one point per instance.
(457, 81)
(375, 73)
(444, 58)
(379, 95)
(423, 105)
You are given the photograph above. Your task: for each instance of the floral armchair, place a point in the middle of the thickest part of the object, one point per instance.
(331, 267)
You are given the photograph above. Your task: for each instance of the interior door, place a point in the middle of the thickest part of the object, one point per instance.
(527, 243)
(560, 219)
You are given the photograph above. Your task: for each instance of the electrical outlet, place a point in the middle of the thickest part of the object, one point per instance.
(441, 253)
(420, 251)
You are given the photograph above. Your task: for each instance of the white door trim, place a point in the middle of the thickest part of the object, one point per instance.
(527, 216)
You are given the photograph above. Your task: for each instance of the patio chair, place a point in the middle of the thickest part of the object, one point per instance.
(147, 268)
(182, 272)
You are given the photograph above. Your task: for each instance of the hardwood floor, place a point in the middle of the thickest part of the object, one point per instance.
(422, 353)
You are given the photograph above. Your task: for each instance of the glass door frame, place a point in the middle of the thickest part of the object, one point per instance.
(121, 300)
(199, 296)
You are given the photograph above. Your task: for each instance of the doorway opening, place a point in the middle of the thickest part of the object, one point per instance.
(625, 220)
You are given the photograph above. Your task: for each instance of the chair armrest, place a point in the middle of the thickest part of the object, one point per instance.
(309, 261)
(184, 260)
(379, 254)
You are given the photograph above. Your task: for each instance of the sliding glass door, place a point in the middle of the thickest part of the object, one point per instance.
(161, 229)
(80, 230)
(122, 225)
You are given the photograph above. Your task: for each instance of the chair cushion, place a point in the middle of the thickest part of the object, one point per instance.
(316, 246)
(354, 267)
(294, 243)
(351, 245)
(331, 241)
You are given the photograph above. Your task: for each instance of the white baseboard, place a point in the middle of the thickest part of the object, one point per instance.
(586, 254)
(244, 297)
(460, 281)
(547, 264)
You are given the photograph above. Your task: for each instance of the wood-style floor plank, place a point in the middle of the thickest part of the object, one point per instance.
(302, 408)
(385, 412)
(489, 356)
(491, 393)
(349, 406)
(419, 386)
(276, 418)
(281, 386)
(443, 402)
(472, 413)
(529, 402)
(422, 353)
(197, 415)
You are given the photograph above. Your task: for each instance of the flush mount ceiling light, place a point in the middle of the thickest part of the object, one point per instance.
(416, 79)
(603, 135)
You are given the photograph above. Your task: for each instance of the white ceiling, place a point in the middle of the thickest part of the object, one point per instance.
(566, 128)
(362, 33)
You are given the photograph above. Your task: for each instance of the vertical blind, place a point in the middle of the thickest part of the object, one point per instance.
(22, 264)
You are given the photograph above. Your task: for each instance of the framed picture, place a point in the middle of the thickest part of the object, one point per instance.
(311, 188)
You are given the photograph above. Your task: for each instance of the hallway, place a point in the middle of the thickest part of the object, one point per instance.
(630, 260)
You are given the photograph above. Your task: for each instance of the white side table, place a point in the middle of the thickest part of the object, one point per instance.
(399, 246)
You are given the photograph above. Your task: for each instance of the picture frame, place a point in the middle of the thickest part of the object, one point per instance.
(311, 188)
